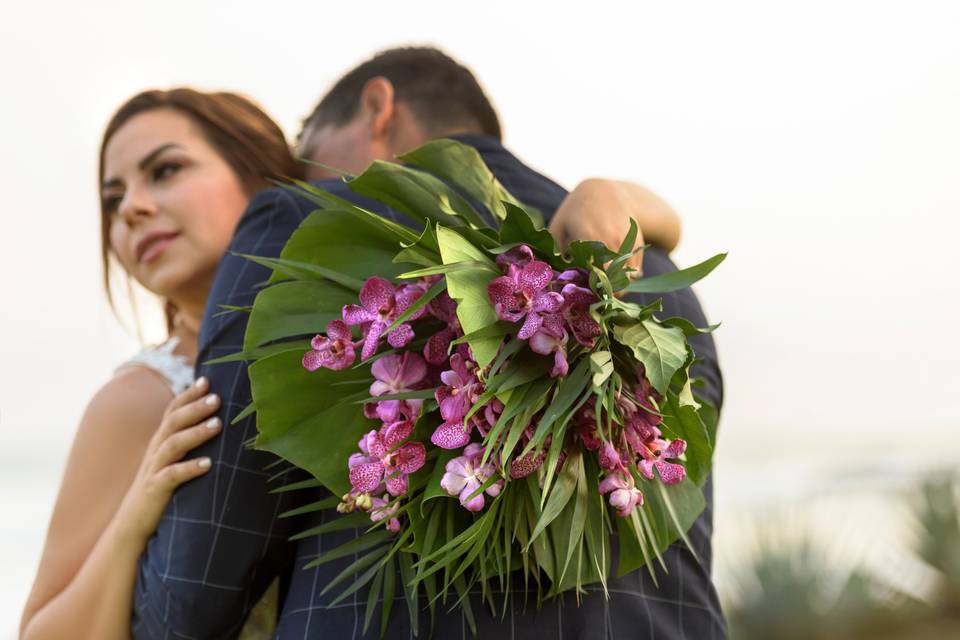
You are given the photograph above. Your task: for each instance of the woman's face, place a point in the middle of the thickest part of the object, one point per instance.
(172, 202)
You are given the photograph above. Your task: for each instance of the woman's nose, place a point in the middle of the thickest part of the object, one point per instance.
(136, 206)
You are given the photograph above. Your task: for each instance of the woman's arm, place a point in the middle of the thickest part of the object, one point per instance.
(600, 209)
(118, 480)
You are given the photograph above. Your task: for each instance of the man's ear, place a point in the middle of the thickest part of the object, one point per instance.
(378, 107)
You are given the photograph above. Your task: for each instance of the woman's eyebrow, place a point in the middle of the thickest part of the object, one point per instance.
(146, 160)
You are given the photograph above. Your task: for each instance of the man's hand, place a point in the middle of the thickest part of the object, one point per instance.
(600, 209)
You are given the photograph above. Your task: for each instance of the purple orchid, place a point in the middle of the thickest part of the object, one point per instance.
(464, 475)
(396, 373)
(576, 311)
(551, 337)
(381, 509)
(522, 293)
(383, 460)
(460, 388)
(444, 308)
(656, 454)
(624, 495)
(380, 304)
(609, 457)
(522, 467)
(520, 256)
(333, 351)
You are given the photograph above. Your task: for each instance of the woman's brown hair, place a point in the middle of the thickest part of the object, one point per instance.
(238, 130)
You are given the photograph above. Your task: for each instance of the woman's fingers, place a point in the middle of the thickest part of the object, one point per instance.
(188, 415)
(188, 395)
(172, 476)
(177, 445)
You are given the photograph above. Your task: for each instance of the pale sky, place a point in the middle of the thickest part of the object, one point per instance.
(818, 144)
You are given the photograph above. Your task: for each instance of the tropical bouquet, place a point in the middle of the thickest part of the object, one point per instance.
(480, 404)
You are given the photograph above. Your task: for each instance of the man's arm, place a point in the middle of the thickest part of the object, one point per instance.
(220, 542)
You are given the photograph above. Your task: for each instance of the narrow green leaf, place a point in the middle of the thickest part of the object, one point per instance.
(562, 492)
(676, 280)
(305, 271)
(436, 289)
(320, 505)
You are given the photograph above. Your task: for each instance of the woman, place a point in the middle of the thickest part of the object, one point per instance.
(177, 170)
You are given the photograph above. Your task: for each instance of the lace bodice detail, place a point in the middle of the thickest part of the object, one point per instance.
(175, 369)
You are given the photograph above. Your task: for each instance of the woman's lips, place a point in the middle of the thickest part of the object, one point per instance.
(157, 246)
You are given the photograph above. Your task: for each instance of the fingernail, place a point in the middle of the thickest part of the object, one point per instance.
(210, 400)
(203, 463)
(201, 382)
(213, 423)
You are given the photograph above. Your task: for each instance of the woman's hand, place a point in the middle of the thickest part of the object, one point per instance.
(163, 469)
(600, 209)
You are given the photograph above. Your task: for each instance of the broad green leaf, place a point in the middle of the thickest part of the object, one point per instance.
(415, 193)
(293, 309)
(589, 253)
(296, 407)
(519, 228)
(683, 421)
(689, 329)
(338, 240)
(601, 365)
(469, 288)
(686, 502)
(662, 350)
(462, 166)
(676, 280)
(424, 251)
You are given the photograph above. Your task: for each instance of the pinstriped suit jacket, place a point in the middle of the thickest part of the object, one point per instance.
(220, 542)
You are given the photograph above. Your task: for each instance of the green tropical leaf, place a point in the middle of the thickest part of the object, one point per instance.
(301, 307)
(520, 228)
(460, 165)
(295, 407)
(662, 350)
(417, 194)
(469, 288)
(676, 280)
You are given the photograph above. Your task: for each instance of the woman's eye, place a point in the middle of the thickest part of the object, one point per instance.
(165, 170)
(110, 204)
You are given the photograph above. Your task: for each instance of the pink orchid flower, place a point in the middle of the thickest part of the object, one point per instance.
(380, 304)
(656, 454)
(522, 293)
(396, 373)
(383, 460)
(333, 351)
(576, 311)
(624, 495)
(551, 337)
(381, 509)
(464, 475)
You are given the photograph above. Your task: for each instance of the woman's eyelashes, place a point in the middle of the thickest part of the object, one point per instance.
(164, 170)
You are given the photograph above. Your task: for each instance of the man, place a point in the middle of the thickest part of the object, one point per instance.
(221, 542)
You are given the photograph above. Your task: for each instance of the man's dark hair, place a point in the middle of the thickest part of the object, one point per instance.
(441, 93)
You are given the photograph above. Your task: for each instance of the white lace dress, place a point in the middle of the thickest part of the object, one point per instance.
(175, 369)
(178, 372)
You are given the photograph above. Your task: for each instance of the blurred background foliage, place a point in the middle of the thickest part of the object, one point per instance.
(793, 590)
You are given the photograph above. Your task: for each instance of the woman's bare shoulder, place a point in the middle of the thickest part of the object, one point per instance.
(134, 398)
